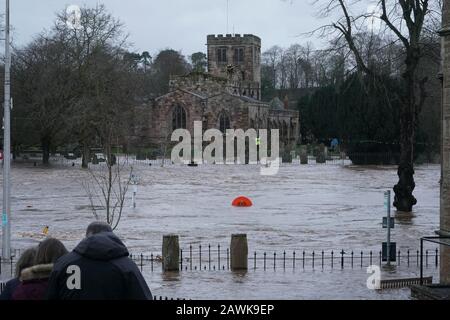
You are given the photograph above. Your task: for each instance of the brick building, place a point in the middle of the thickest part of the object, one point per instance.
(228, 96)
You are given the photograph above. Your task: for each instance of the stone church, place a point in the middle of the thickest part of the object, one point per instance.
(228, 96)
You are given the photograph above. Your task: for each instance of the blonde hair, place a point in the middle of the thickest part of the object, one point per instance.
(26, 260)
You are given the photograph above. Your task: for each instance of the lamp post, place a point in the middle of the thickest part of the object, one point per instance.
(6, 221)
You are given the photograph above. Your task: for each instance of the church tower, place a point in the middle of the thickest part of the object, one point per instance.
(237, 58)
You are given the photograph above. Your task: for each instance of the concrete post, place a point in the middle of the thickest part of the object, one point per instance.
(170, 253)
(445, 179)
(239, 252)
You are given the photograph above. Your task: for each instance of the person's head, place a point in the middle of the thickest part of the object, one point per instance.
(97, 227)
(49, 251)
(26, 260)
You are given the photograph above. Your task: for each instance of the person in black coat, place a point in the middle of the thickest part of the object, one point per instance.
(25, 261)
(99, 268)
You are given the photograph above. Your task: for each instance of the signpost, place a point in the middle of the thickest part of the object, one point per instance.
(388, 248)
(134, 182)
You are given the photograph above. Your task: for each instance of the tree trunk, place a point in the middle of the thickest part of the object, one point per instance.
(45, 151)
(404, 199)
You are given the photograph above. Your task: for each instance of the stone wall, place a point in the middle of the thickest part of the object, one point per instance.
(445, 183)
(161, 122)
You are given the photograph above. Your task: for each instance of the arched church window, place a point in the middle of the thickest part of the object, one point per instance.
(179, 118)
(224, 122)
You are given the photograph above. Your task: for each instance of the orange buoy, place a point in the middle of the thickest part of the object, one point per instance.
(242, 202)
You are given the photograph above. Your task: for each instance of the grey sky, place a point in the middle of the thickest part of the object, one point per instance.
(181, 24)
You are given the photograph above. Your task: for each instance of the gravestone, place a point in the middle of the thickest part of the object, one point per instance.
(304, 155)
(321, 155)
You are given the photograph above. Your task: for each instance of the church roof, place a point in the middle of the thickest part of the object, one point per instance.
(251, 100)
(195, 94)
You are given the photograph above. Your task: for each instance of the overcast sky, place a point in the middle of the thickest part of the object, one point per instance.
(182, 24)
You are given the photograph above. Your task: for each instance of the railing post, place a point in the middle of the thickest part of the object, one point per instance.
(293, 261)
(408, 257)
(265, 254)
(254, 261)
(417, 258)
(342, 259)
(200, 256)
(274, 260)
(323, 256)
(190, 257)
(284, 260)
(218, 257)
(437, 259)
(313, 255)
(421, 262)
(209, 256)
(151, 262)
(352, 259)
(170, 253)
(362, 254)
(332, 259)
(239, 252)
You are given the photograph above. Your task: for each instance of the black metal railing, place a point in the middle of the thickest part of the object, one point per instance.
(217, 258)
(435, 240)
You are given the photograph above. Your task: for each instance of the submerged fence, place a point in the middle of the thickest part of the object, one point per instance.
(217, 258)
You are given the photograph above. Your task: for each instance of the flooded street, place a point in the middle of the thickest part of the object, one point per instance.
(313, 207)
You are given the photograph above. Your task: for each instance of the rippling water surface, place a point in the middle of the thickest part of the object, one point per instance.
(314, 207)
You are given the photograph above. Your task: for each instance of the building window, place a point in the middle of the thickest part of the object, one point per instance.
(224, 123)
(179, 118)
(222, 55)
(238, 57)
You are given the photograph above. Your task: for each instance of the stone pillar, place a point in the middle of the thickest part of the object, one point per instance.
(304, 155)
(170, 253)
(239, 252)
(445, 179)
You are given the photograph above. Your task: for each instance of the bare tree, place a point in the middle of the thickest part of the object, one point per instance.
(271, 59)
(106, 187)
(97, 40)
(404, 21)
